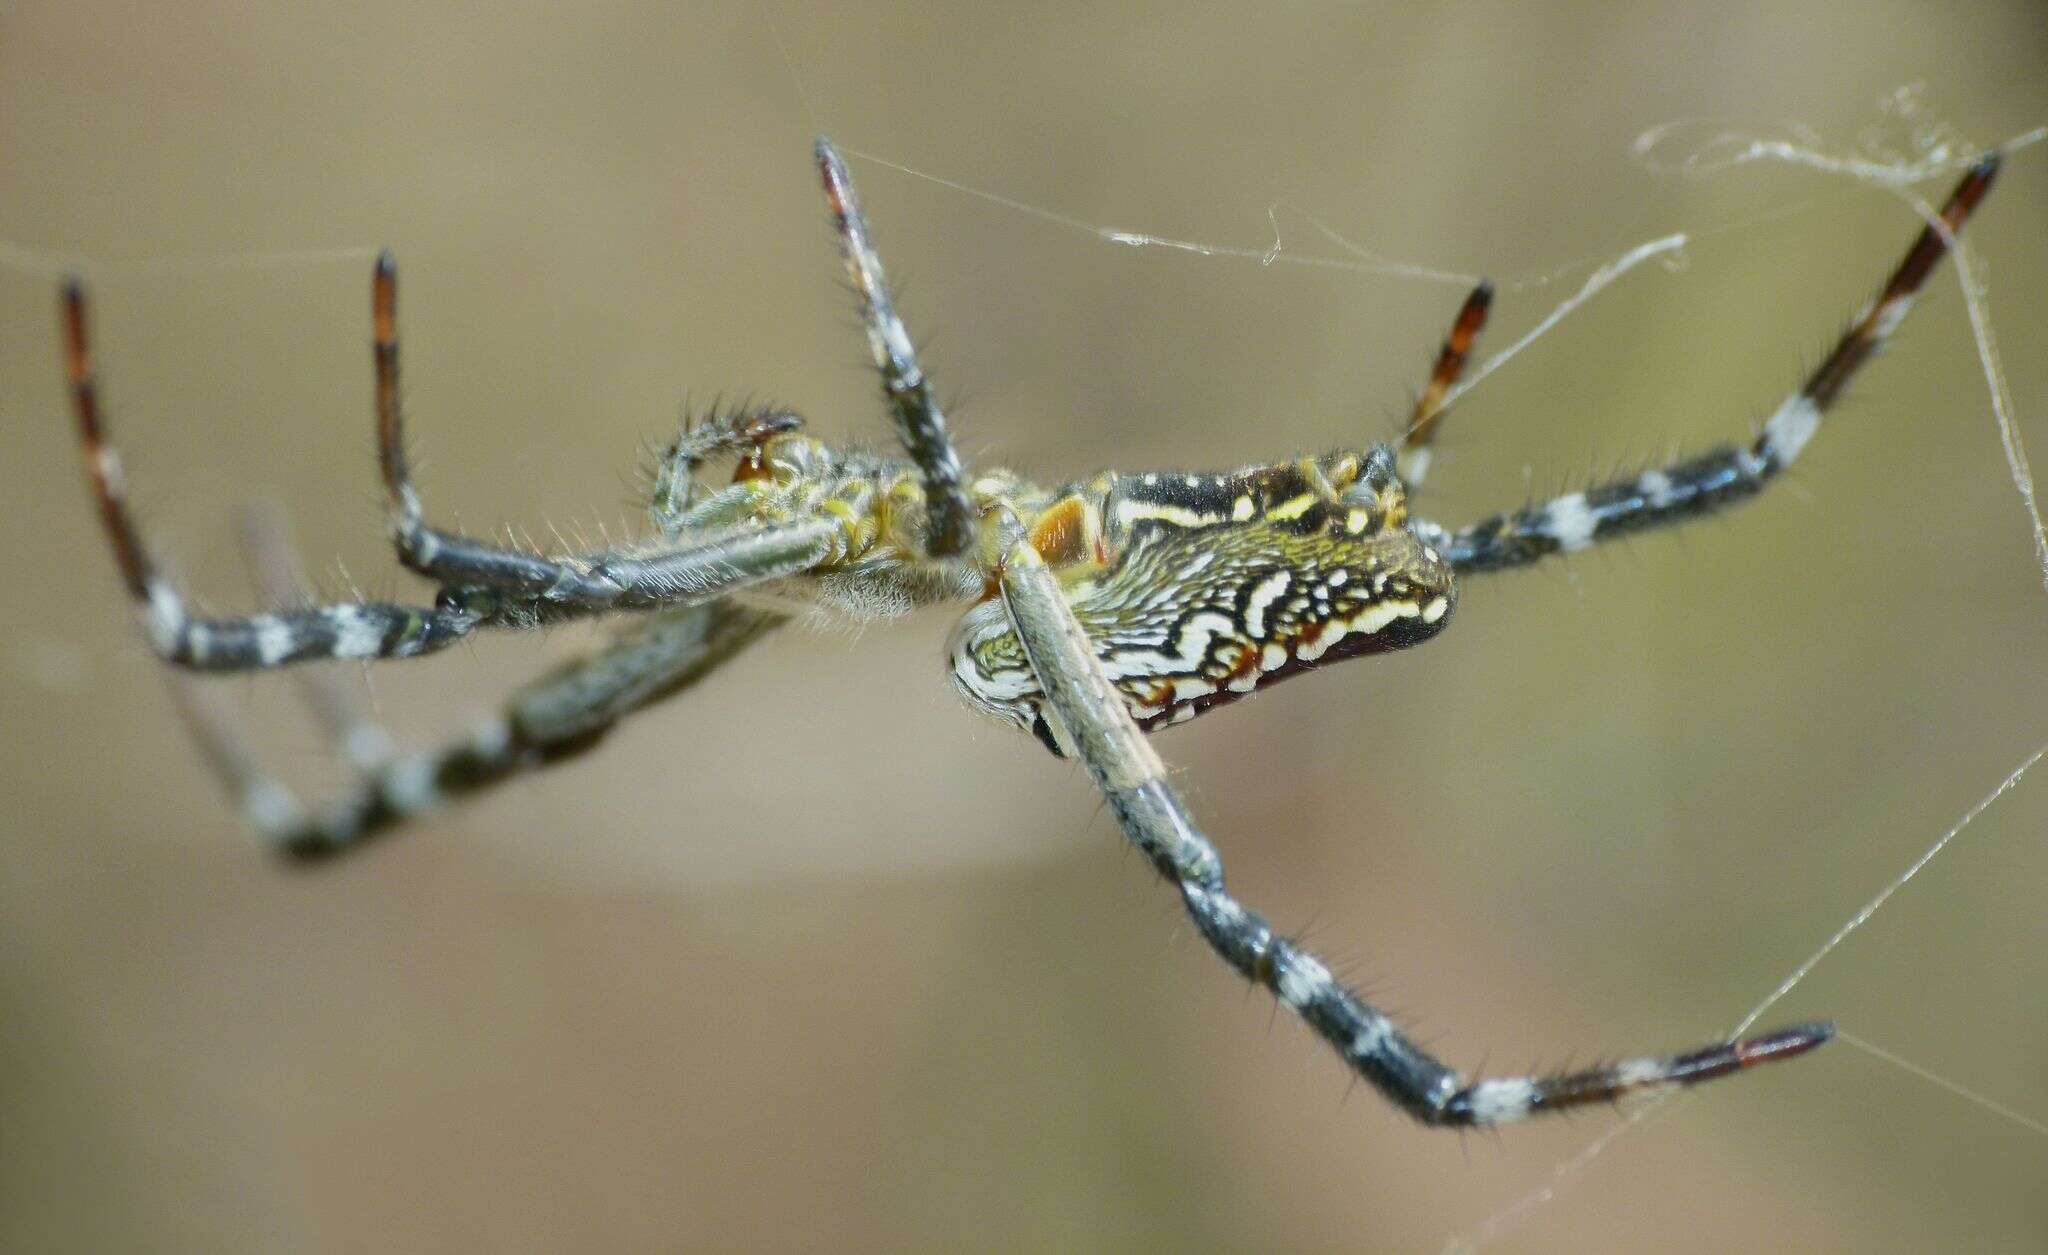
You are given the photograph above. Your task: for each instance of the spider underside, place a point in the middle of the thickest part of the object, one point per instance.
(1099, 611)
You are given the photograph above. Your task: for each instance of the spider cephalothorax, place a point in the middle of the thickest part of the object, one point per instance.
(1096, 612)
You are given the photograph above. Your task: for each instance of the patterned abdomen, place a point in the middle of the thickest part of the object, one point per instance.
(1190, 617)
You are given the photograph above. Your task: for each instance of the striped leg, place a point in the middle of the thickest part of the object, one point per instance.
(274, 563)
(919, 420)
(597, 581)
(1092, 718)
(698, 571)
(438, 555)
(554, 718)
(346, 630)
(1420, 433)
(1731, 473)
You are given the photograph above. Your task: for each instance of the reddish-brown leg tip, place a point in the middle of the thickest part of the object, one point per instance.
(1785, 1043)
(73, 306)
(384, 298)
(1963, 201)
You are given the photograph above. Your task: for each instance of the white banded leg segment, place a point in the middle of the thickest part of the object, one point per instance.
(1731, 473)
(358, 630)
(1578, 520)
(273, 561)
(1362, 1036)
(556, 717)
(348, 630)
(1095, 723)
(1509, 1099)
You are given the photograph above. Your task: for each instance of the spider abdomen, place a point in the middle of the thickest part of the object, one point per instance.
(1206, 588)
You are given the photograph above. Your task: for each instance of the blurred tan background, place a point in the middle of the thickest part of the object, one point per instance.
(814, 959)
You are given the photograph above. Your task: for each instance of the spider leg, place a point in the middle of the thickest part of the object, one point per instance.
(556, 717)
(1420, 433)
(1730, 473)
(698, 570)
(343, 630)
(551, 719)
(919, 420)
(1093, 719)
(273, 561)
(691, 570)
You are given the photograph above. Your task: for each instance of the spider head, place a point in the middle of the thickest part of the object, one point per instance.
(1367, 480)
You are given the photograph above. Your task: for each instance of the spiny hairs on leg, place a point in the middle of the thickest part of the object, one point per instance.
(919, 420)
(435, 554)
(555, 718)
(345, 630)
(1423, 1086)
(1123, 765)
(1731, 473)
(273, 562)
(532, 584)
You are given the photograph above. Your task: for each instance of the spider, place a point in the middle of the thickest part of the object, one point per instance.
(1099, 610)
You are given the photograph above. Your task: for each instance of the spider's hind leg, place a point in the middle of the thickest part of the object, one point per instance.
(1080, 694)
(556, 717)
(1721, 477)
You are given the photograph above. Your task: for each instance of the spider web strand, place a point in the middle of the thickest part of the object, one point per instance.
(44, 264)
(1936, 1079)
(1872, 907)
(1507, 1218)
(1274, 253)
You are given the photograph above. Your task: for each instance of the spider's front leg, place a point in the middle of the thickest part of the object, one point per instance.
(1080, 695)
(508, 581)
(246, 642)
(553, 718)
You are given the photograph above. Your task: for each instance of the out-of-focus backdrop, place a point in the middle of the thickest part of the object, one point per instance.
(814, 959)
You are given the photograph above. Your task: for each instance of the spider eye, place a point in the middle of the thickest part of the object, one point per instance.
(1373, 479)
